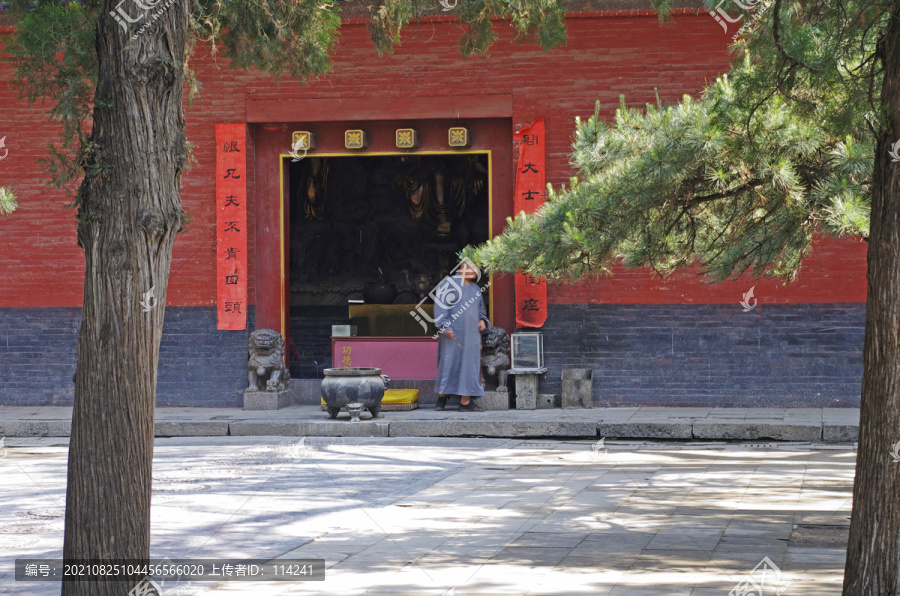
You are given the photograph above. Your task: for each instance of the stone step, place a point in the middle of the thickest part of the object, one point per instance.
(779, 424)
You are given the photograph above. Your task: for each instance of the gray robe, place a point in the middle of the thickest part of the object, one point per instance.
(459, 359)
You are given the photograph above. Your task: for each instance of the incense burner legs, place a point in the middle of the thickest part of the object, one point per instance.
(343, 386)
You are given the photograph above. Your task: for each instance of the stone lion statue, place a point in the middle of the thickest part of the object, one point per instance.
(495, 357)
(267, 371)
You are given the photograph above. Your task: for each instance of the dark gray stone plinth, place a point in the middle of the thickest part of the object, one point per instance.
(577, 388)
(526, 392)
(267, 400)
(495, 400)
(527, 387)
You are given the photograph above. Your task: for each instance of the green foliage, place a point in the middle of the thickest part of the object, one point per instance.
(7, 201)
(53, 51)
(275, 36)
(742, 179)
(537, 21)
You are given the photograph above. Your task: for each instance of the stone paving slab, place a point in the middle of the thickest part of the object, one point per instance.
(421, 516)
(779, 424)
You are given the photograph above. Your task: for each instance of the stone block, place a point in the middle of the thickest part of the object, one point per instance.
(528, 401)
(36, 428)
(495, 400)
(267, 400)
(323, 428)
(491, 428)
(343, 428)
(748, 431)
(277, 429)
(645, 430)
(190, 429)
(840, 433)
(526, 392)
(546, 401)
(577, 388)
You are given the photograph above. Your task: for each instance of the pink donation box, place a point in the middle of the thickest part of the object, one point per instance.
(397, 357)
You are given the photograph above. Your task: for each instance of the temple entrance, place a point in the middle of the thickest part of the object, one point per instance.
(375, 230)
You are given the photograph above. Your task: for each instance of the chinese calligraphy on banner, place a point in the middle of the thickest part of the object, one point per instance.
(231, 226)
(531, 292)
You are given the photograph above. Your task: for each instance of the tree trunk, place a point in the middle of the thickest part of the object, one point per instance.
(872, 550)
(129, 213)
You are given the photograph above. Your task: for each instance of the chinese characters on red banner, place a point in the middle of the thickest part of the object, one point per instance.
(231, 226)
(531, 292)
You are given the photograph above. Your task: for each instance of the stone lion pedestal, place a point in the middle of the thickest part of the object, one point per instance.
(495, 400)
(266, 400)
(267, 376)
(494, 368)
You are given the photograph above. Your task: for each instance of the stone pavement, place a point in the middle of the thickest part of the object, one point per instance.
(781, 424)
(444, 517)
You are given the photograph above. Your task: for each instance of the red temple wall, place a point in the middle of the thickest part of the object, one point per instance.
(604, 57)
(834, 272)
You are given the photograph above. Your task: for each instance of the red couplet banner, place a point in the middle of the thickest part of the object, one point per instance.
(231, 226)
(531, 292)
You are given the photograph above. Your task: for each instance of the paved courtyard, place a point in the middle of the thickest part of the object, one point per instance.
(453, 516)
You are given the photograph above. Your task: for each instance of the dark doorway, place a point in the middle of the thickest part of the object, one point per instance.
(394, 222)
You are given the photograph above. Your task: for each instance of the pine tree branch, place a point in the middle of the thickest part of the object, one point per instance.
(690, 201)
(776, 25)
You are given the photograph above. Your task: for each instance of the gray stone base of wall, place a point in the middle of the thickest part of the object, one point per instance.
(198, 364)
(778, 355)
(709, 355)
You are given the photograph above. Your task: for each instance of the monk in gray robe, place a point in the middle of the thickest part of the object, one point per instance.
(460, 318)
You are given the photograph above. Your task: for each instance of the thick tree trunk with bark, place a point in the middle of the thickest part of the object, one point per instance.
(129, 213)
(872, 550)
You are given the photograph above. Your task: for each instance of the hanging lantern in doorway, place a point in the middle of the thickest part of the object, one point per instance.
(355, 139)
(458, 136)
(407, 138)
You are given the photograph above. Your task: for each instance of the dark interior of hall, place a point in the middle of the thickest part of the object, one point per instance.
(376, 229)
